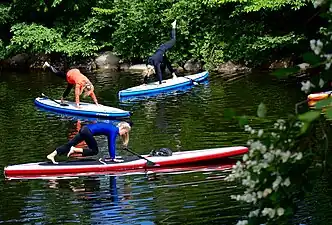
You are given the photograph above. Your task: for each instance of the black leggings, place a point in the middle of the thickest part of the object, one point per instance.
(158, 58)
(83, 135)
(63, 76)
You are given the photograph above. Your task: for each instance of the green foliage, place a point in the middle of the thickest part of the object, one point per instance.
(311, 58)
(2, 50)
(212, 31)
(4, 14)
(33, 38)
(256, 5)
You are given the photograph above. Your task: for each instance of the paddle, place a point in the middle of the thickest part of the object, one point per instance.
(192, 81)
(62, 104)
(149, 163)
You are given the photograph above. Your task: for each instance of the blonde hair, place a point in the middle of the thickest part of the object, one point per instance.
(88, 88)
(125, 137)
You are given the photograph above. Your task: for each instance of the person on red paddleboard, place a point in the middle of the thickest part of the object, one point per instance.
(87, 134)
(74, 78)
(158, 58)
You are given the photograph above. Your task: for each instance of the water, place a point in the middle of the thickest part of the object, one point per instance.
(182, 121)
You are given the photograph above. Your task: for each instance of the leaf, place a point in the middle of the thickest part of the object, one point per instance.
(261, 110)
(328, 113)
(323, 103)
(229, 113)
(309, 116)
(311, 58)
(285, 72)
(243, 120)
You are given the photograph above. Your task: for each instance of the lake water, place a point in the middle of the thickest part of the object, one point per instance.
(181, 121)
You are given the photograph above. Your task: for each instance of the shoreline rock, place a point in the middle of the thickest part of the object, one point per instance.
(109, 61)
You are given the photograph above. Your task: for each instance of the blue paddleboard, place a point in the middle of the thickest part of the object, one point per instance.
(87, 109)
(170, 84)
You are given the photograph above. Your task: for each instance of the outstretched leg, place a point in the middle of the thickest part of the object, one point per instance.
(53, 70)
(168, 45)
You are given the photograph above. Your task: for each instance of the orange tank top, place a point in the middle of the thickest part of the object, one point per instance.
(74, 76)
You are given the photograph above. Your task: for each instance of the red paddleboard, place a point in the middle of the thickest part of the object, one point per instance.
(95, 166)
(217, 165)
(319, 96)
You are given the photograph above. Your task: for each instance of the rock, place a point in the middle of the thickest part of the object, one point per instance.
(230, 67)
(193, 65)
(179, 69)
(107, 61)
(91, 66)
(39, 61)
(283, 63)
(138, 67)
(20, 60)
(124, 66)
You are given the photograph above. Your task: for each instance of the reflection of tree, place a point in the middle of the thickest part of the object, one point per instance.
(12, 199)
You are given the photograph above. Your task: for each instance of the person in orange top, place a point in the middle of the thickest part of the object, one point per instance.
(75, 78)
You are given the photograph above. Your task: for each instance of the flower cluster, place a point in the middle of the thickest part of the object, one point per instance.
(266, 150)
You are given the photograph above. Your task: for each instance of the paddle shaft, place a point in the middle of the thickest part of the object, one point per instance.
(194, 82)
(62, 104)
(134, 153)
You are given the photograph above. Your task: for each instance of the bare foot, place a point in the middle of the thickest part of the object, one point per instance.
(51, 157)
(71, 151)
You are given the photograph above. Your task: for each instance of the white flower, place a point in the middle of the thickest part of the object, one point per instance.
(269, 211)
(306, 86)
(327, 65)
(285, 156)
(319, 43)
(269, 157)
(303, 66)
(277, 152)
(286, 182)
(260, 133)
(257, 145)
(276, 183)
(247, 128)
(312, 44)
(254, 213)
(245, 157)
(299, 156)
(259, 194)
(280, 211)
(242, 222)
(236, 197)
(266, 192)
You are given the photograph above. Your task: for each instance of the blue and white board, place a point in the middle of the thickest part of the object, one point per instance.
(87, 109)
(170, 84)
